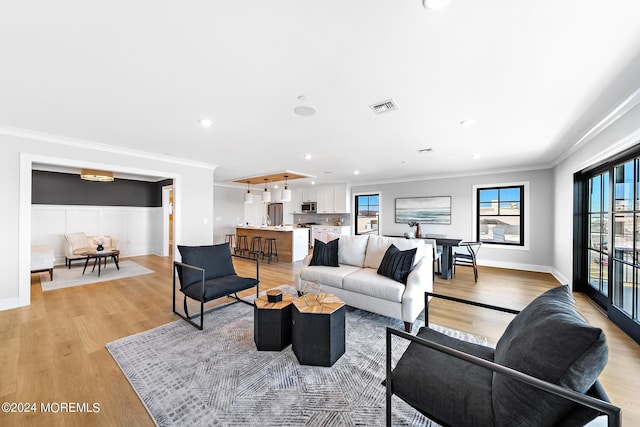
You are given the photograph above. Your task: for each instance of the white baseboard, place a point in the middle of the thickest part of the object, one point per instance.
(560, 277)
(516, 266)
(9, 303)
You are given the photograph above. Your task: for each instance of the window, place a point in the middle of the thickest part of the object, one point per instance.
(500, 215)
(367, 213)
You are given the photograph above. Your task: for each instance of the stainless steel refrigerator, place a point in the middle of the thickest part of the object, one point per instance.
(274, 210)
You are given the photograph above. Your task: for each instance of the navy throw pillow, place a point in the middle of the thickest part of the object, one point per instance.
(214, 259)
(397, 264)
(325, 253)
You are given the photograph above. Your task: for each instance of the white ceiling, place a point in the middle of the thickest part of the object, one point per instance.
(535, 75)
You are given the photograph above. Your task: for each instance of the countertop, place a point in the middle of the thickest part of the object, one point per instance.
(269, 227)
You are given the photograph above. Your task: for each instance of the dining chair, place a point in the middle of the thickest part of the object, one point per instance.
(467, 255)
(437, 252)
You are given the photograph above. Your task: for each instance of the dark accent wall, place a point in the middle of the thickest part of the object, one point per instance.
(55, 188)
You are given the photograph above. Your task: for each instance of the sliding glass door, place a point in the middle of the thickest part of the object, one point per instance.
(607, 235)
(626, 235)
(598, 223)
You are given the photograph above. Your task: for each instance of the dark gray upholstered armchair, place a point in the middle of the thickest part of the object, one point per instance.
(207, 273)
(543, 372)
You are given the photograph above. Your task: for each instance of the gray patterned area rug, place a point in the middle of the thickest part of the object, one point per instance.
(216, 377)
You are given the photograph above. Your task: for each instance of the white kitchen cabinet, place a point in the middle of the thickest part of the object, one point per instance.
(309, 195)
(326, 200)
(296, 201)
(321, 232)
(342, 197)
(333, 199)
(317, 233)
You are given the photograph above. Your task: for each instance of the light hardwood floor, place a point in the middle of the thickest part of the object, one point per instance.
(53, 351)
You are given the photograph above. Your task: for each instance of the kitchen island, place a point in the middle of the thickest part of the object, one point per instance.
(292, 242)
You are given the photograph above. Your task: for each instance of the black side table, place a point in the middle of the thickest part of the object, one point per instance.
(318, 329)
(272, 323)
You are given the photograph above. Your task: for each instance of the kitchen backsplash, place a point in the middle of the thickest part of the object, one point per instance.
(322, 219)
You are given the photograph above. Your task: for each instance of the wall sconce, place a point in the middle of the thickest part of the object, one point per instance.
(96, 175)
(266, 196)
(285, 195)
(247, 196)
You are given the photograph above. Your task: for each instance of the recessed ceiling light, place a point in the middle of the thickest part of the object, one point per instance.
(425, 150)
(308, 156)
(356, 172)
(467, 123)
(305, 110)
(313, 183)
(475, 156)
(434, 4)
(206, 122)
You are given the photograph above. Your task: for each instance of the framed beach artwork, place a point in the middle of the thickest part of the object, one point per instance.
(425, 210)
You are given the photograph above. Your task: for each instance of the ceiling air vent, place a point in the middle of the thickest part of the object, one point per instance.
(384, 106)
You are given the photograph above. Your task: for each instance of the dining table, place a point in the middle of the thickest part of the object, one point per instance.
(446, 258)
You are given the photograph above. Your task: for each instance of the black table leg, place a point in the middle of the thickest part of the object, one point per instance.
(115, 261)
(446, 262)
(85, 265)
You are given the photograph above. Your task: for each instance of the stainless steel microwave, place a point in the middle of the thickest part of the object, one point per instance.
(309, 207)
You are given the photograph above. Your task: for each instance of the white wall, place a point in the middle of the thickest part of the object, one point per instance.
(229, 210)
(619, 136)
(19, 149)
(137, 230)
(538, 254)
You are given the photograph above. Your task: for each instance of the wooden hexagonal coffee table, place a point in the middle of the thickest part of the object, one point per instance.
(318, 336)
(272, 323)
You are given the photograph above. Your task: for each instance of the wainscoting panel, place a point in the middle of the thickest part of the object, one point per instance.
(83, 219)
(138, 230)
(47, 229)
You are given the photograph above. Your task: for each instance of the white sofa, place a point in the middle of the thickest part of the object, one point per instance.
(357, 283)
(77, 244)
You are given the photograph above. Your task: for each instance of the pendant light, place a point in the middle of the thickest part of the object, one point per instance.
(247, 196)
(266, 196)
(285, 196)
(96, 175)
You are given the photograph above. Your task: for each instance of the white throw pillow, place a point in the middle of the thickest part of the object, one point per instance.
(378, 245)
(77, 240)
(404, 244)
(351, 248)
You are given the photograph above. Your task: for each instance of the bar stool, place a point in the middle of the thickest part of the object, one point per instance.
(256, 247)
(228, 238)
(242, 245)
(271, 249)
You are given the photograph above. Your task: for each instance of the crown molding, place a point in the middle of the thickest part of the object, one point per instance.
(628, 104)
(91, 145)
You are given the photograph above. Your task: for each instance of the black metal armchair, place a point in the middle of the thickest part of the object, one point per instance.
(207, 273)
(543, 371)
